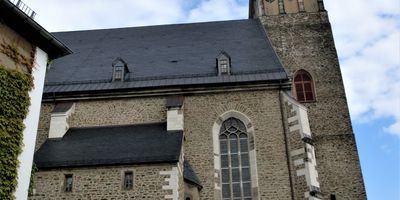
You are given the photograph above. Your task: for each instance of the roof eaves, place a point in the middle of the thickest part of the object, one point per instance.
(32, 31)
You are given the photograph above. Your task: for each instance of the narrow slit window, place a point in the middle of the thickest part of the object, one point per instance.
(68, 183)
(128, 180)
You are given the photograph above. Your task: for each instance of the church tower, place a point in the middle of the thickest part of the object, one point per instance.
(302, 37)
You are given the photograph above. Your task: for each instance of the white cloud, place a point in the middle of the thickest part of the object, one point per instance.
(367, 34)
(57, 15)
(212, 10)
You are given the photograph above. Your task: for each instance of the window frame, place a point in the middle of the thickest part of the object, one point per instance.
(126, 186)
(302, 83)
(68, 187)
(118, 73)
(250, 130)
(239, 135)
(224, 63)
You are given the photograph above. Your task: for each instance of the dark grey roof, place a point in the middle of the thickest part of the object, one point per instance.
(62, 107)
(174, 101)
(167, 55)
(21, 23)
(114, 145)
(190, 176)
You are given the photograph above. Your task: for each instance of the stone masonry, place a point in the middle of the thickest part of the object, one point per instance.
(304, 41)
(99, 183)
(262, 107)
(287, 164)
(201, 111)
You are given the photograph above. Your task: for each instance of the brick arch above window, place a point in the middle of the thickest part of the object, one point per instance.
(303, 87)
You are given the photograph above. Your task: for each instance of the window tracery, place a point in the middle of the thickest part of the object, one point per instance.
(235, 161)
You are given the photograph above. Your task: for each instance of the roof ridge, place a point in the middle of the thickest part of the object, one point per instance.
(156, 25)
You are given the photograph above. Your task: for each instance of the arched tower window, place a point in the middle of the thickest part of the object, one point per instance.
(235, 161)
(303, 87)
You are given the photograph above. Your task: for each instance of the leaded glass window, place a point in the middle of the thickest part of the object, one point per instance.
(235, 164)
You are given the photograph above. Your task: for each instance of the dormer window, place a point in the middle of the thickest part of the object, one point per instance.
(118, 73)
(120, 69)
(224, 64)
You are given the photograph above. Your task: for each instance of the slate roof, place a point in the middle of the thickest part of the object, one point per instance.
(164, 56)
(113, 145)
(190, 176)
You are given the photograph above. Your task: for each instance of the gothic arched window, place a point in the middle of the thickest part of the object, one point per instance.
(303, 87)
(235, 162)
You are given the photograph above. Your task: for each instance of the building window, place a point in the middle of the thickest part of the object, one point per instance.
(224, 64)
(120, 70)
(301, 6)
(333, 197)
(68, 183)
(118, 73)
(235, 162)
(303, 87)
(128, 180)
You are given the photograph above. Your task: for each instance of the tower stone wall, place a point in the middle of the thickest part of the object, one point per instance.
(304, 40)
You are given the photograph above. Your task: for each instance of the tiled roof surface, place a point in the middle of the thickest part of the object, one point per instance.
(113, 145)
(164, 56)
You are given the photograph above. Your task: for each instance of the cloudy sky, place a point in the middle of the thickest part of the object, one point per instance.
(367, 35)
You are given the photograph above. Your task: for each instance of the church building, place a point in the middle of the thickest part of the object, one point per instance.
(251, 109)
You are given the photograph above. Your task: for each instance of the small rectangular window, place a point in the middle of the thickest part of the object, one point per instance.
(128, 180)
(224, 66)
(118, 72)
(68, 183)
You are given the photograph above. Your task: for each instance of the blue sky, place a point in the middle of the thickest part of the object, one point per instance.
(367, 37)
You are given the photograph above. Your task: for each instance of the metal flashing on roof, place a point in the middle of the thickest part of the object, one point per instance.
(62, 107)
(175, 101)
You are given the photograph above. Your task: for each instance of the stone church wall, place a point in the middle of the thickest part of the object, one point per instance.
(201, 111)
(103, 183)
(262, 108)
(105, 113)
